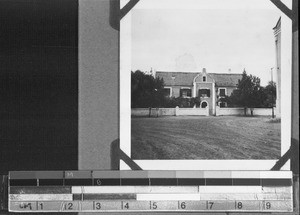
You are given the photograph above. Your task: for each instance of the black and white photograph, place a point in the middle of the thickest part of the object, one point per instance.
(206, 81)
(161, 106)
(202, 84)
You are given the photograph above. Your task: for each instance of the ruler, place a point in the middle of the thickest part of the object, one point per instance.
(120, 191)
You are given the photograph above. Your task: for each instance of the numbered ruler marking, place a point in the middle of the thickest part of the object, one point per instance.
(100, 206)
(220, 205)
(277, 205)
(248, 205)
(105, 205)
(135, 205)
(192, 205)
(50, 206)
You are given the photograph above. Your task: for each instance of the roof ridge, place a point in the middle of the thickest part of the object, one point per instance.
(201, 72)
(177, 72)
(225, 73)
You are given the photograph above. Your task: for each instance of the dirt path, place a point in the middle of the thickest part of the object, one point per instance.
(205, 138)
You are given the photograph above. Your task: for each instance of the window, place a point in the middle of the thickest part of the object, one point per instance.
(204, 78)
(234, 92)
(222, 92)
(204, 93)
(167, 92)
(185, 93)
(222, 104)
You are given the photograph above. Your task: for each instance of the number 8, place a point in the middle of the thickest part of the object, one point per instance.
(240, 205)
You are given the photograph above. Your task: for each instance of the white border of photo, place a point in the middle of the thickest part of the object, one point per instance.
(125, 87)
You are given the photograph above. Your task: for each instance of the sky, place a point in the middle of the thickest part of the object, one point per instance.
(219, 37)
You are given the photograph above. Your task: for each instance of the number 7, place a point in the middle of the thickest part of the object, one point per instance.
(210, 205)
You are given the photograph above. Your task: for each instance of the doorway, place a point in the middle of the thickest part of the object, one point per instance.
(203, 104)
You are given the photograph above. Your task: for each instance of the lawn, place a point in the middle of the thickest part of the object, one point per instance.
(191, 137)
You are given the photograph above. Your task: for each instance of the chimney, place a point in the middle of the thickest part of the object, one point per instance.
(204, 70)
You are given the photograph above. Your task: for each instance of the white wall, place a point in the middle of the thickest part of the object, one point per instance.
(144, 112)
(192, 111)
(240, 111)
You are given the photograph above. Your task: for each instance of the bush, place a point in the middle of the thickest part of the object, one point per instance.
(181, 102)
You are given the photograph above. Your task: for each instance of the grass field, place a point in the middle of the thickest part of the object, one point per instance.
(191, 137)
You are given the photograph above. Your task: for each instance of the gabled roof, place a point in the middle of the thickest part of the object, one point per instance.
(186, 78)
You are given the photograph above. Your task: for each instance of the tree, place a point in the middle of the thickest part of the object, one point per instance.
(270, 95)
(146, 91)
(249, 93)
(264, 97)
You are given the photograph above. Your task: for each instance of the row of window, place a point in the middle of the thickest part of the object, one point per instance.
(188, 92)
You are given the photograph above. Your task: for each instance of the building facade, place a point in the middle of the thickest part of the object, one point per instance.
(209, 87)
(277, 34)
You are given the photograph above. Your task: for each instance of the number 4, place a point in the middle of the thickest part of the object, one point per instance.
(126, 205)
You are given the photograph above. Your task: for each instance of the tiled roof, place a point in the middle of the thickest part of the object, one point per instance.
(177, 78)
(226, 80)
(186, 78)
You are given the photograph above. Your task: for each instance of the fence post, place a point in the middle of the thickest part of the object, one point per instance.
(251, 111)
(176, 111)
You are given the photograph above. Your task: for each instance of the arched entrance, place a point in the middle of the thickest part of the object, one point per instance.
(204, 104)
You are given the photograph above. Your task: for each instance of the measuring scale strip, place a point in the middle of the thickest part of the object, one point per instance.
(98, 206)
(148, 196)
(150, 178)
(149, 189)
(149, 174)
(151, 182)
(100, 191)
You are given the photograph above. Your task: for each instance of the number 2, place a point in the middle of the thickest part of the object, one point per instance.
(69, 206)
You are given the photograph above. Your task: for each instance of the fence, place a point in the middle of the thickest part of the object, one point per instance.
(155, 112)
(192, 111)
(240, 111)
